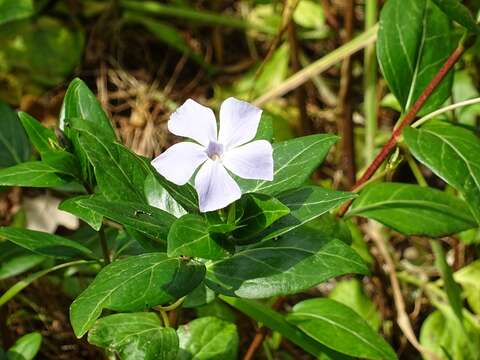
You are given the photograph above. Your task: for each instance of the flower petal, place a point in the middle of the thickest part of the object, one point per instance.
(251, 161)
(215, 187)
(194, 121)
(178, 163)
(238, 122)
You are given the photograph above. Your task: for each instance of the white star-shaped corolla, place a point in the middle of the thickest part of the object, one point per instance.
(231, 149)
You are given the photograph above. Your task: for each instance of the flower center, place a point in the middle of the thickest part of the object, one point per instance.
(214, 150)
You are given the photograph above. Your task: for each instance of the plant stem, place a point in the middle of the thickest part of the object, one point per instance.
(444, 110)
(345, 121)
(104, 245)
(392, 142)
(415, 169)
(370, 84)
(319, 66)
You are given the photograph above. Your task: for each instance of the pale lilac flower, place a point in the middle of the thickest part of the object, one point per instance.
(232, 150)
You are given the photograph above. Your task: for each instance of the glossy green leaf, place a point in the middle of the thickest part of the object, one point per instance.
(143, 218)
(350, 292)
(208, 338)
(15, 10)
(31, 174)
(436, 213)
(133, 284)
(63, 162)
(159, 197)
(120, 174)
(259, 212)
(340, 328)
(468, 277)
(44, 139)
(201, 295)
(305, 204)
(458, 12)
(277, 322)
(442, 334)
(135, 336)
(184, 195)
(453, 290)
(81, 103)
(17, 261)
(189, 236)
(14, 145)
(414, 41)
(43, 243)
(295, 262)
(73, 206)
(451, 152)
(294, 160)
(25, 348)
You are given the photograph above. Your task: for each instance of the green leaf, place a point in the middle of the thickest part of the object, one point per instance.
(81, 103)
(468, 278)
(350, 293)
(120, 173)
(143, 218)
(295, 262)
(441, 333)
(167, 34)
(25, 348)
(159, 197)
(44, 243)
(184, 195)
(31, 174)
(44, 139)
(135, 336)
(27, 280)
(15, 260)
(451, 152)
(15, 10)
(49, 51)
(133, 284)
(277, 322)
(414, 41)
(305, 204)
(189, 236)
(436, 213)
(340, 328)
(73, 206)
(458, 12)
(259, 212)
(453, 290)
(208, 338)
(14, 145)
(63, 162)
(294, 160)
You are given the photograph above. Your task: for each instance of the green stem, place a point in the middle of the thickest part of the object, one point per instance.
(370, 84)
(415, 169)
(171, 307)
(445, 109)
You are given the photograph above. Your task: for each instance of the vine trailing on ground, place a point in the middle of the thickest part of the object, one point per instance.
(229, 219)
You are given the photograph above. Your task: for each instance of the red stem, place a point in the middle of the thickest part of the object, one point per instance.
(412, 113)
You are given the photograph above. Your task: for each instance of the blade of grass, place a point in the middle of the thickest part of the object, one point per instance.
(317, 67)
(370, 84)
(199, 16)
